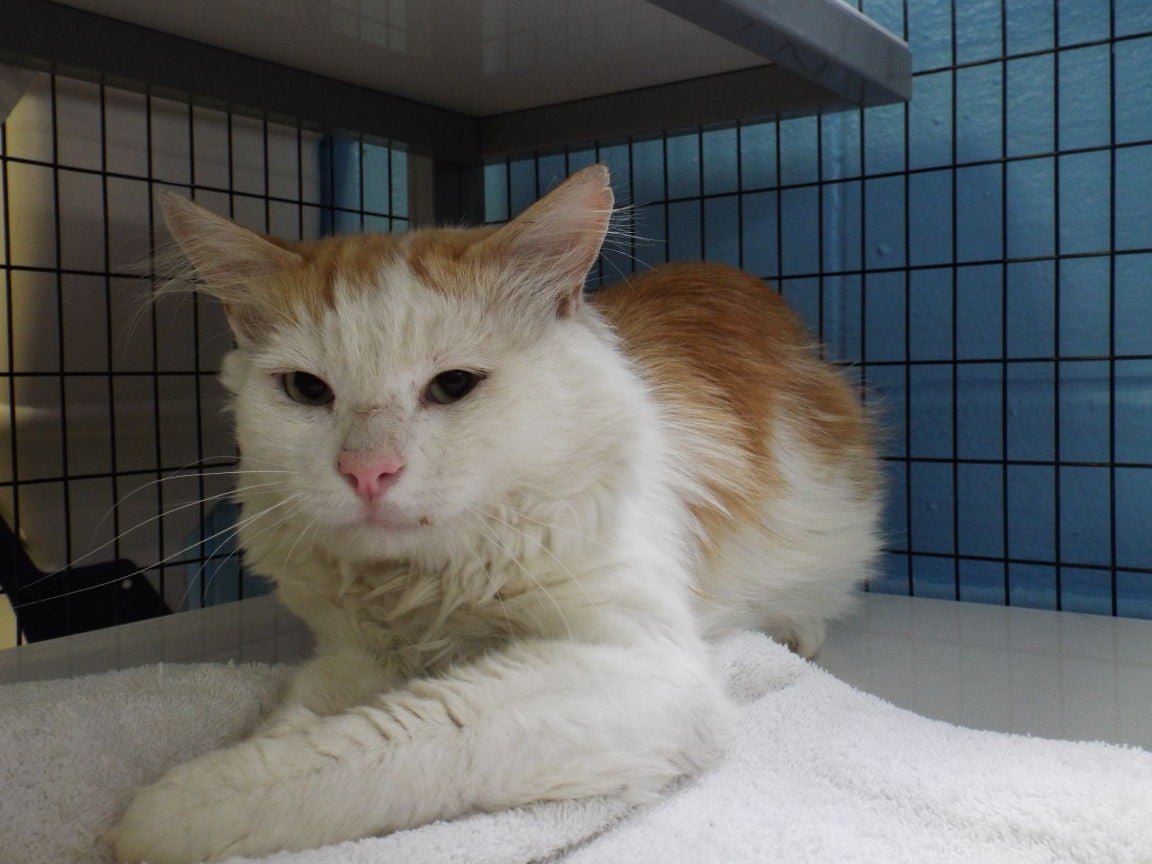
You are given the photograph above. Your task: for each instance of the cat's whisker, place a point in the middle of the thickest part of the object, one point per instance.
(541, 546)
(233, 532)
(143, 486)
(620, 251)
(292, 549)
(256, 460)
(199, 574)
(482, 567)
(179, 476)
(141, 570)
(624, 218)
(228, 534)
(478, 523)
(562, 529)
(152, 519)
(545, 493)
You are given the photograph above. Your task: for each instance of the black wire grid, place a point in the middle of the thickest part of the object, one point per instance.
(979, 259)
(112, 399)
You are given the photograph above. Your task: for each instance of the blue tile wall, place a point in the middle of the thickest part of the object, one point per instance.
(981, 258)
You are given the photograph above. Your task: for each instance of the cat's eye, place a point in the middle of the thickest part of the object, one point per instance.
(307, 389)
(452, 386)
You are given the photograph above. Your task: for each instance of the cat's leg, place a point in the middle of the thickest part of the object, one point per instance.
(788, 586)
(329, 683)
(804, 638)
(799, 562)
(541, 720)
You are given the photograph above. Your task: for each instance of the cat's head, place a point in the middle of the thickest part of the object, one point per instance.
(392, 384)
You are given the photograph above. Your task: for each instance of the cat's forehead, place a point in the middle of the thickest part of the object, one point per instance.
(369, 307)
(338, 270)
(388, 306)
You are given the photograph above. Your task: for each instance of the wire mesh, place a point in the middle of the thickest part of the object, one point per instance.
(979, 258)
(118, 451)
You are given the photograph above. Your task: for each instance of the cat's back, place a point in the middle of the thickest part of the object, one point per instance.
(706, 292)
(775, 435)
(720, 339)
(688, 309)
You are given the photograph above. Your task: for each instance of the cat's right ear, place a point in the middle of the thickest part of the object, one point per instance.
(554, 243)
(233, 264)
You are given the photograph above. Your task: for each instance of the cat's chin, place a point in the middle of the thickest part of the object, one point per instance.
(388, 520)
(384, 534)
(384, 518)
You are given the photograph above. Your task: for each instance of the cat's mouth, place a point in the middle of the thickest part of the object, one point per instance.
(386, 518)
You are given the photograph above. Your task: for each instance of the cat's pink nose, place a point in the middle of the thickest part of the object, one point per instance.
(370, 474)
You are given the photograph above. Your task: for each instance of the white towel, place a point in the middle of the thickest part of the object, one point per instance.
(816, 772)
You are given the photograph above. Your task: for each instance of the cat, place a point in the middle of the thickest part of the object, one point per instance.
(512, 515)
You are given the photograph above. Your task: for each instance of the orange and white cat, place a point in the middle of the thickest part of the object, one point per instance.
(511, 514)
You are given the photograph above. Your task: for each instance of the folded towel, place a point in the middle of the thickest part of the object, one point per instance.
(816, 772)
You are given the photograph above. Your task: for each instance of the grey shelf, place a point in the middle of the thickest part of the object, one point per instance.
(459, 85)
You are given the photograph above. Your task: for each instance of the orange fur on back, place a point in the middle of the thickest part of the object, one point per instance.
(724, 349)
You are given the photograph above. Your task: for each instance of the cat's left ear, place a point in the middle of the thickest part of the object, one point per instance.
(235, 265)
(554, 243)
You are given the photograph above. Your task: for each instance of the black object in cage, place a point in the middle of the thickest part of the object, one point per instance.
(119, 448)
(73, 600)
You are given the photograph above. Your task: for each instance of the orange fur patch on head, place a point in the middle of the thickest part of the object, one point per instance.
(438, 257)
(356, 264)
(541, 256)
(352, 262)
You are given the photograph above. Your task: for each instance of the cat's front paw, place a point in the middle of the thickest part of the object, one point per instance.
(189, 816)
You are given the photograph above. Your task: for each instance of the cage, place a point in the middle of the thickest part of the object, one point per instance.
(978, 256)
(117, 466)
(114, 415)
